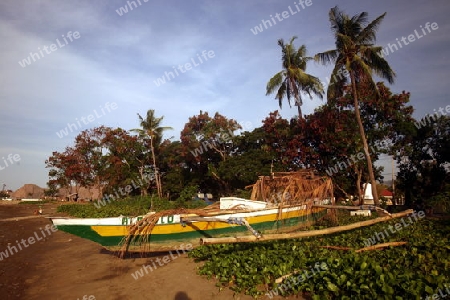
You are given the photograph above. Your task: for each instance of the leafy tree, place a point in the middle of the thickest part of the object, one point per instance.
(355, 58)
(330, 146)
(68, 169)
(251, 158)
(207, 141)
(211, 135)
(89, 144)
(278, 136)
(101, 157)
(52, 190)
(172, 164)
(123, 160)
(424, 171)
(293, 79)
(327, 141)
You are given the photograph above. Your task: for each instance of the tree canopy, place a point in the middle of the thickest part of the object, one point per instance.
(215, 155)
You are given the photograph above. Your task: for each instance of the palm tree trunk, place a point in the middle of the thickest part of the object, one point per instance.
(358, 185)
(143, 188)
(300, 116)
(158, 184)
(299, 108)
(364, 140)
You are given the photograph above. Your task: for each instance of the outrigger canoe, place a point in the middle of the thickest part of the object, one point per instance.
(234, 217)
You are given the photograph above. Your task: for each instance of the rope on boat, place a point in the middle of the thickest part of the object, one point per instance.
(230, 220)
(242, 221)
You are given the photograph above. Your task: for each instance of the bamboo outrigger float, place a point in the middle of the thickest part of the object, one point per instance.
(303, 234)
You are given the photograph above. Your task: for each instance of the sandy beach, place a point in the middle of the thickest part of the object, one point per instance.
(58, 265)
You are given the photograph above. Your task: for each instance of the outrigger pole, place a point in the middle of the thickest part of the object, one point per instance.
(302, 234)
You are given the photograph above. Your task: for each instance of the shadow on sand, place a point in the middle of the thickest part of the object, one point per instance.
(182, 296)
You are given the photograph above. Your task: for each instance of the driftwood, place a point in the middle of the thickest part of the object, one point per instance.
(280, 279)
(302, 234)
(336, 247)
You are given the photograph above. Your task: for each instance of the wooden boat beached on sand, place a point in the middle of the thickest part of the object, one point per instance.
(234, 217)
(282, 202)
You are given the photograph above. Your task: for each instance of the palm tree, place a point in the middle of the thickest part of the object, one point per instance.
(356, 58)
(151, 128)
(293, 79)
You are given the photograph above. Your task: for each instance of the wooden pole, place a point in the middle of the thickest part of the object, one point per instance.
(380, 246)
(301, 234)
(356, 207)
(393, 183)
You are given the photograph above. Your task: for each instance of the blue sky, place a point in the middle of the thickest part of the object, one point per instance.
(116, 60)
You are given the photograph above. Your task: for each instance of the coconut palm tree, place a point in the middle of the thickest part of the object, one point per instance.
(293, 80)
(151, 128)
(355, 58)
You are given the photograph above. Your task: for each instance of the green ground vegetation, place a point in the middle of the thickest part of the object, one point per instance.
(418, 269)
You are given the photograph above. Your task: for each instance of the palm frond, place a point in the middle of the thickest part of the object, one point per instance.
(274, 83)
(378, 64)
(344, 41)
(337, 83)
(326, 57)
(336, 17)
(280, 94)
(360, 19)
(368, 34)
(293, 79)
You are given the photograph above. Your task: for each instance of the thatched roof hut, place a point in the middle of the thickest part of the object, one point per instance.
(28, 191)
(83, 193)
(291, 188)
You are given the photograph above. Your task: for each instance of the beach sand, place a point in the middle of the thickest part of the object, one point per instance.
(63, 266)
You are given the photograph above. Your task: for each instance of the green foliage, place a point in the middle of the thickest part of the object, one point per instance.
(185, 200)
(293, 80)
(187, 193)
(132, 206)
(415, 270)
(424, 176)
(441, 201)
(243, 193)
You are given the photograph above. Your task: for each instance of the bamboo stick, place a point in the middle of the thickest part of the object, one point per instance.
(374, 247)
(301, 234)
(357, 207)
(379, 246)
(336, 248)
